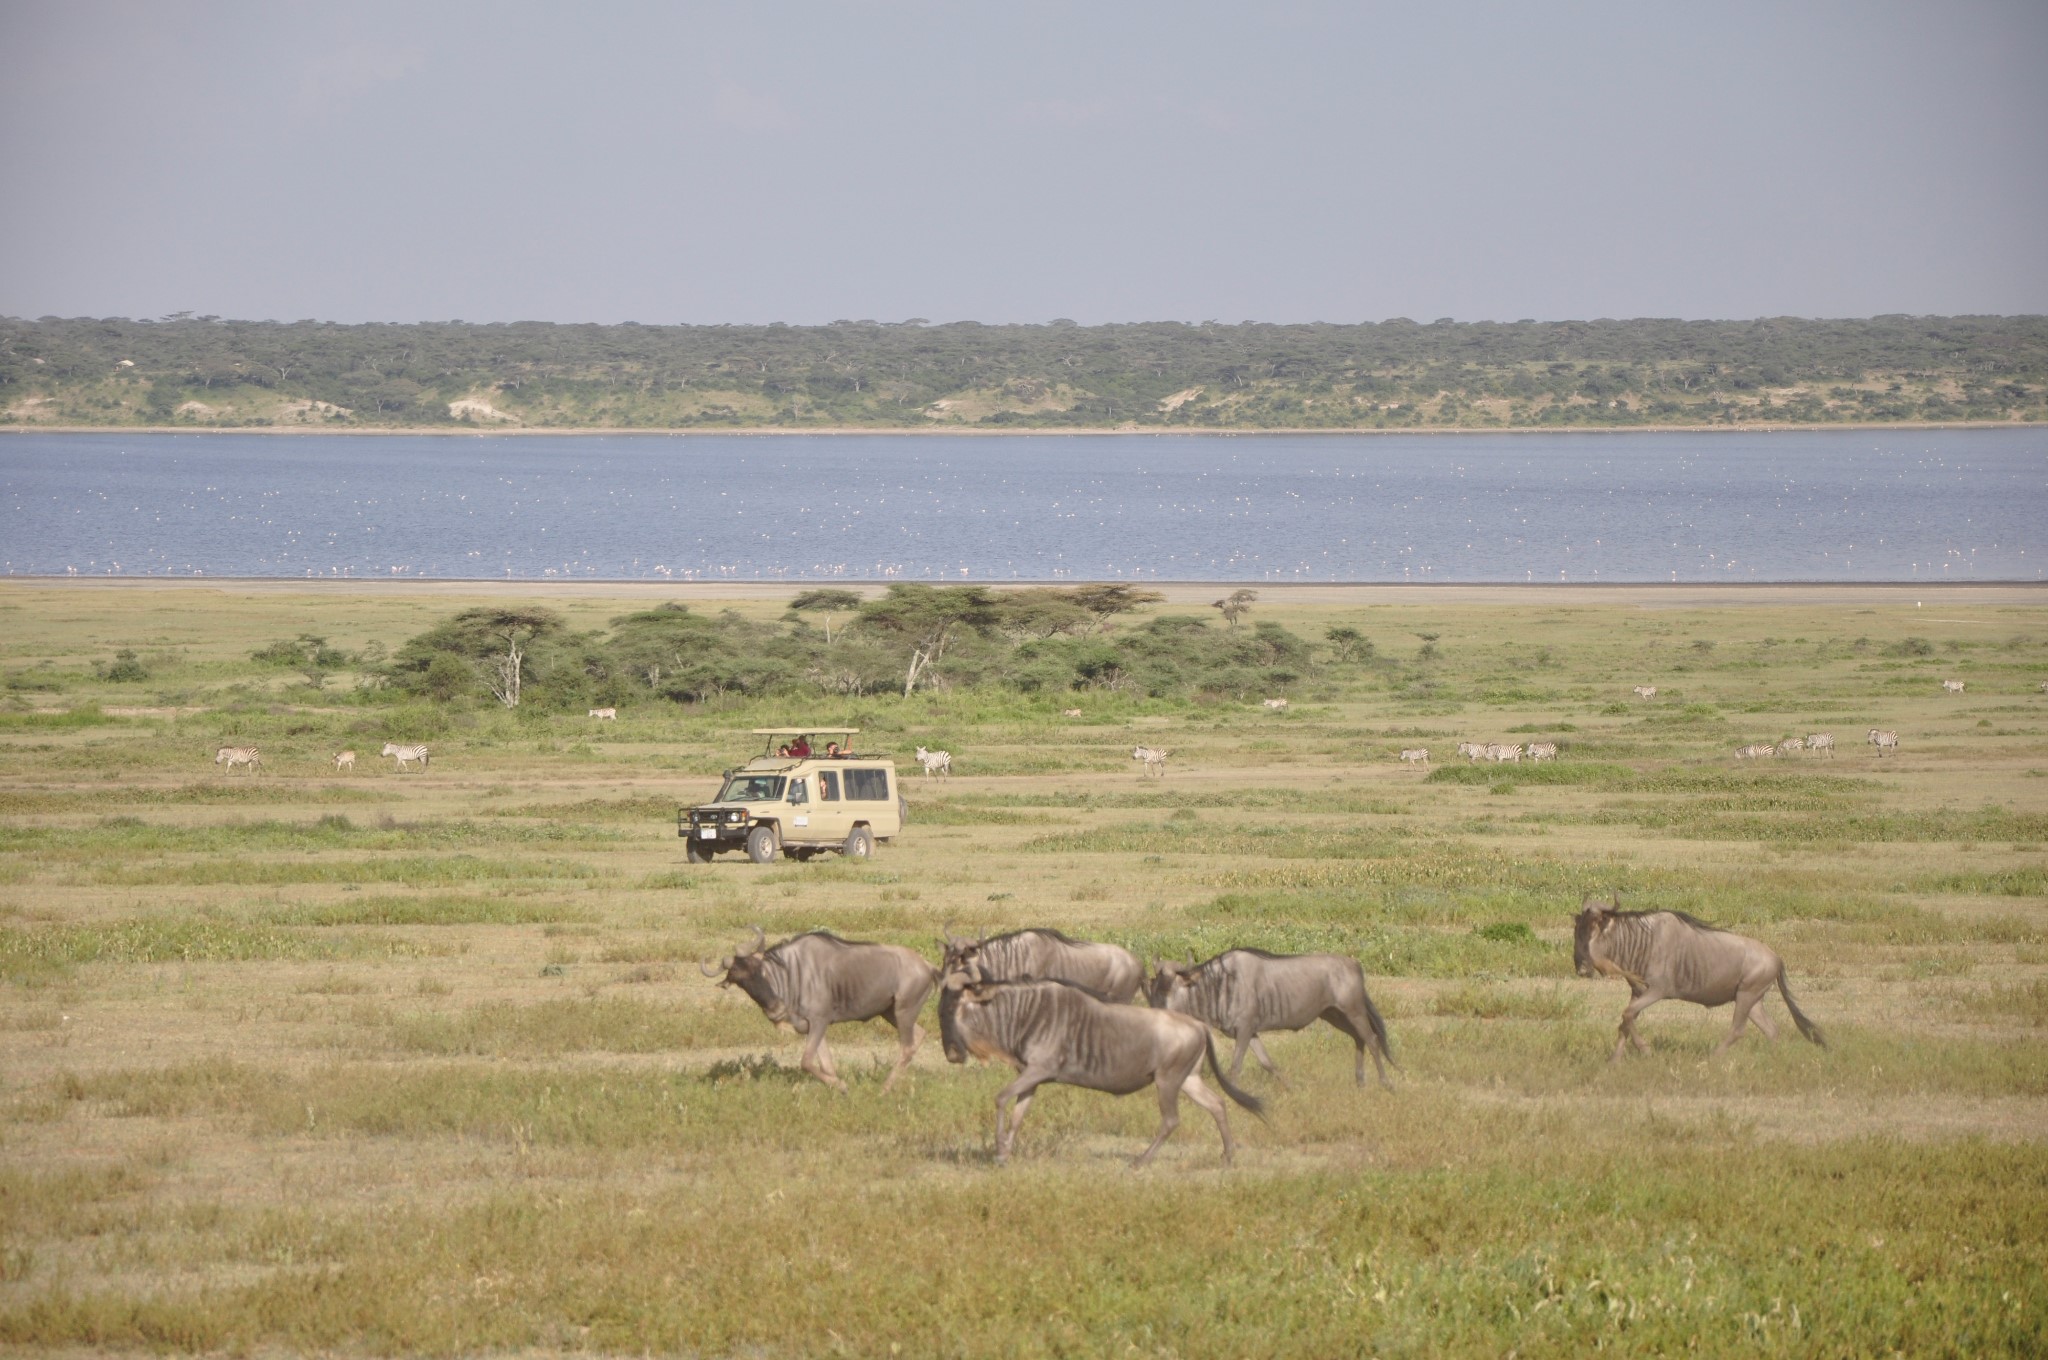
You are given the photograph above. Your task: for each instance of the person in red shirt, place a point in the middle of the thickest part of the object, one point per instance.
(800, 748)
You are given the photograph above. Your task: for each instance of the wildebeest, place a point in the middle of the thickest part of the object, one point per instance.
(1055, 1031)
(812, 981)
(1246, 991)
(1415, 755)
(1150, 758)
(940, 761)
(1883, 741)
(1106, 969)
(1668, 955)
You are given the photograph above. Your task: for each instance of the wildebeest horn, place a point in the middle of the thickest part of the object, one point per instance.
(710, 969)
(760, 940)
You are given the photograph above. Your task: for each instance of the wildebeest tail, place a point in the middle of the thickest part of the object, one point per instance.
(1379, 1030)
(1244, 1098)
(1806, 1026)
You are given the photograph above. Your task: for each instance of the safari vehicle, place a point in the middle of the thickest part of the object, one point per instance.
(795, 799)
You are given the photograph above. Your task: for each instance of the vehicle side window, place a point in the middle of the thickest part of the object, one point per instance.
(828, 786)
(869, 786)
(799, 792)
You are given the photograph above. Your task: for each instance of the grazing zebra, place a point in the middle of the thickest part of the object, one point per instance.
(1471, 750)
(1756, 751)
(1952, 686)
(1070, 713)
(1790, 744)
(1277, 705)
(1498, 752)
(941, 761)
(1822, 741)
(1418, 755)
(608, 714)
(1543, 750)
(1152, 758)
(345, 762)
(1883, 741)
(1646, 691)
(407, 754)
(230, 756)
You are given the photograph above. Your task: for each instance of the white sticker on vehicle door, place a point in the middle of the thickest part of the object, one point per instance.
(801, 821)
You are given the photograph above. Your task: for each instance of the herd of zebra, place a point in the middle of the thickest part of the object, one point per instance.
(228, 757)
(1058, 1009)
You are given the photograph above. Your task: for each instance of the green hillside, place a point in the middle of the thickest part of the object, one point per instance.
(207, 372)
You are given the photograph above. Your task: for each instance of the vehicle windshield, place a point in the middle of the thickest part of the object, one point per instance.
(752, 788)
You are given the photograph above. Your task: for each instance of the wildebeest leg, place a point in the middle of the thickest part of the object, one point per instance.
(1019, 1093)
(1207, 1099)
(1763, 1022)
(817, 1059)
(1361, 1035)
(1169, 1114)
(1745, 1004)
(1266, 1061)
(1638, 1003)
(908, 1039)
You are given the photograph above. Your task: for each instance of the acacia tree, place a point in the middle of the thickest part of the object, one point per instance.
(1235, 604)
(829, 600)
(493, 639)
(931, 619)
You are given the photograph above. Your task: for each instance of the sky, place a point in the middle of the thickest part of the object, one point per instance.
(614, 160)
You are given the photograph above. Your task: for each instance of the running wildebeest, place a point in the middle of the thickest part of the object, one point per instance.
(813, 981)
(1109, 970)
(1055, 1031)
(1245, 991)
(1668, 955)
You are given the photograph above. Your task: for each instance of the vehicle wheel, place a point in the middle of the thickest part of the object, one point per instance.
(903, 811)
(860, 844)
(761, 846)
(697, 852)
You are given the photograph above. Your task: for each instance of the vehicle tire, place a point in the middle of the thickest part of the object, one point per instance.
(860, 844)
(697, 852)
(902, 811)
(761, 845)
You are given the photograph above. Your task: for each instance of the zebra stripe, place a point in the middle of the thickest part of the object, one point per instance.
(1416, 756)
(1952, 686)
(1543, 750)
(407, 755)
(1646, 691)
(1790, 744)
(1152, 758)
(939, 761)
(1822, 741)
(230, 756)
(1883, 741)
(1756, 751)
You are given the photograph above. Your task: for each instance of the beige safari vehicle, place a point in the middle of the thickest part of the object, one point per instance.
(807, 793)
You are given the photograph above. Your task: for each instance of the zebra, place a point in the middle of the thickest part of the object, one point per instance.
(345, 762)
(1471, 750)
(1952, 686)
(1822, 741)
(608, 714)
(1543, 750)
(406, 754)
(1790, 744)
(230, 756)
(1646, 691)
(1277, 705)
(1418, 755)
(1152, 758)
(1497, 752)
(941, 761)
(1883, 741)
(1756, 751)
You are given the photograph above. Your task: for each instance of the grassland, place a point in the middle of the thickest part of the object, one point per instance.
(376, 1063)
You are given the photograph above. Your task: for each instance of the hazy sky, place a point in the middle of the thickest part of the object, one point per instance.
(1102, 161)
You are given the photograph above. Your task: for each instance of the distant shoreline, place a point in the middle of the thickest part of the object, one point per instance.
(981, 432)
(1640, 594)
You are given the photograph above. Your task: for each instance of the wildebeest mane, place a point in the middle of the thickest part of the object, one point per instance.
(1070, 986)
(827, 936)
(1617, 914)
(1047, 931)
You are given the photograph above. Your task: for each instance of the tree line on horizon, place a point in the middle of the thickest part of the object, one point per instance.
(204, 371)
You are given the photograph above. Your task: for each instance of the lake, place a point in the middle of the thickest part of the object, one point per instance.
(1857, 505)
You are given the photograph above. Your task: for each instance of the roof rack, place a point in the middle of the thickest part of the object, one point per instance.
(803, 731)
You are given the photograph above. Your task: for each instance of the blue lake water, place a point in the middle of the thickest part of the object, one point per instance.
(1807, 506)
